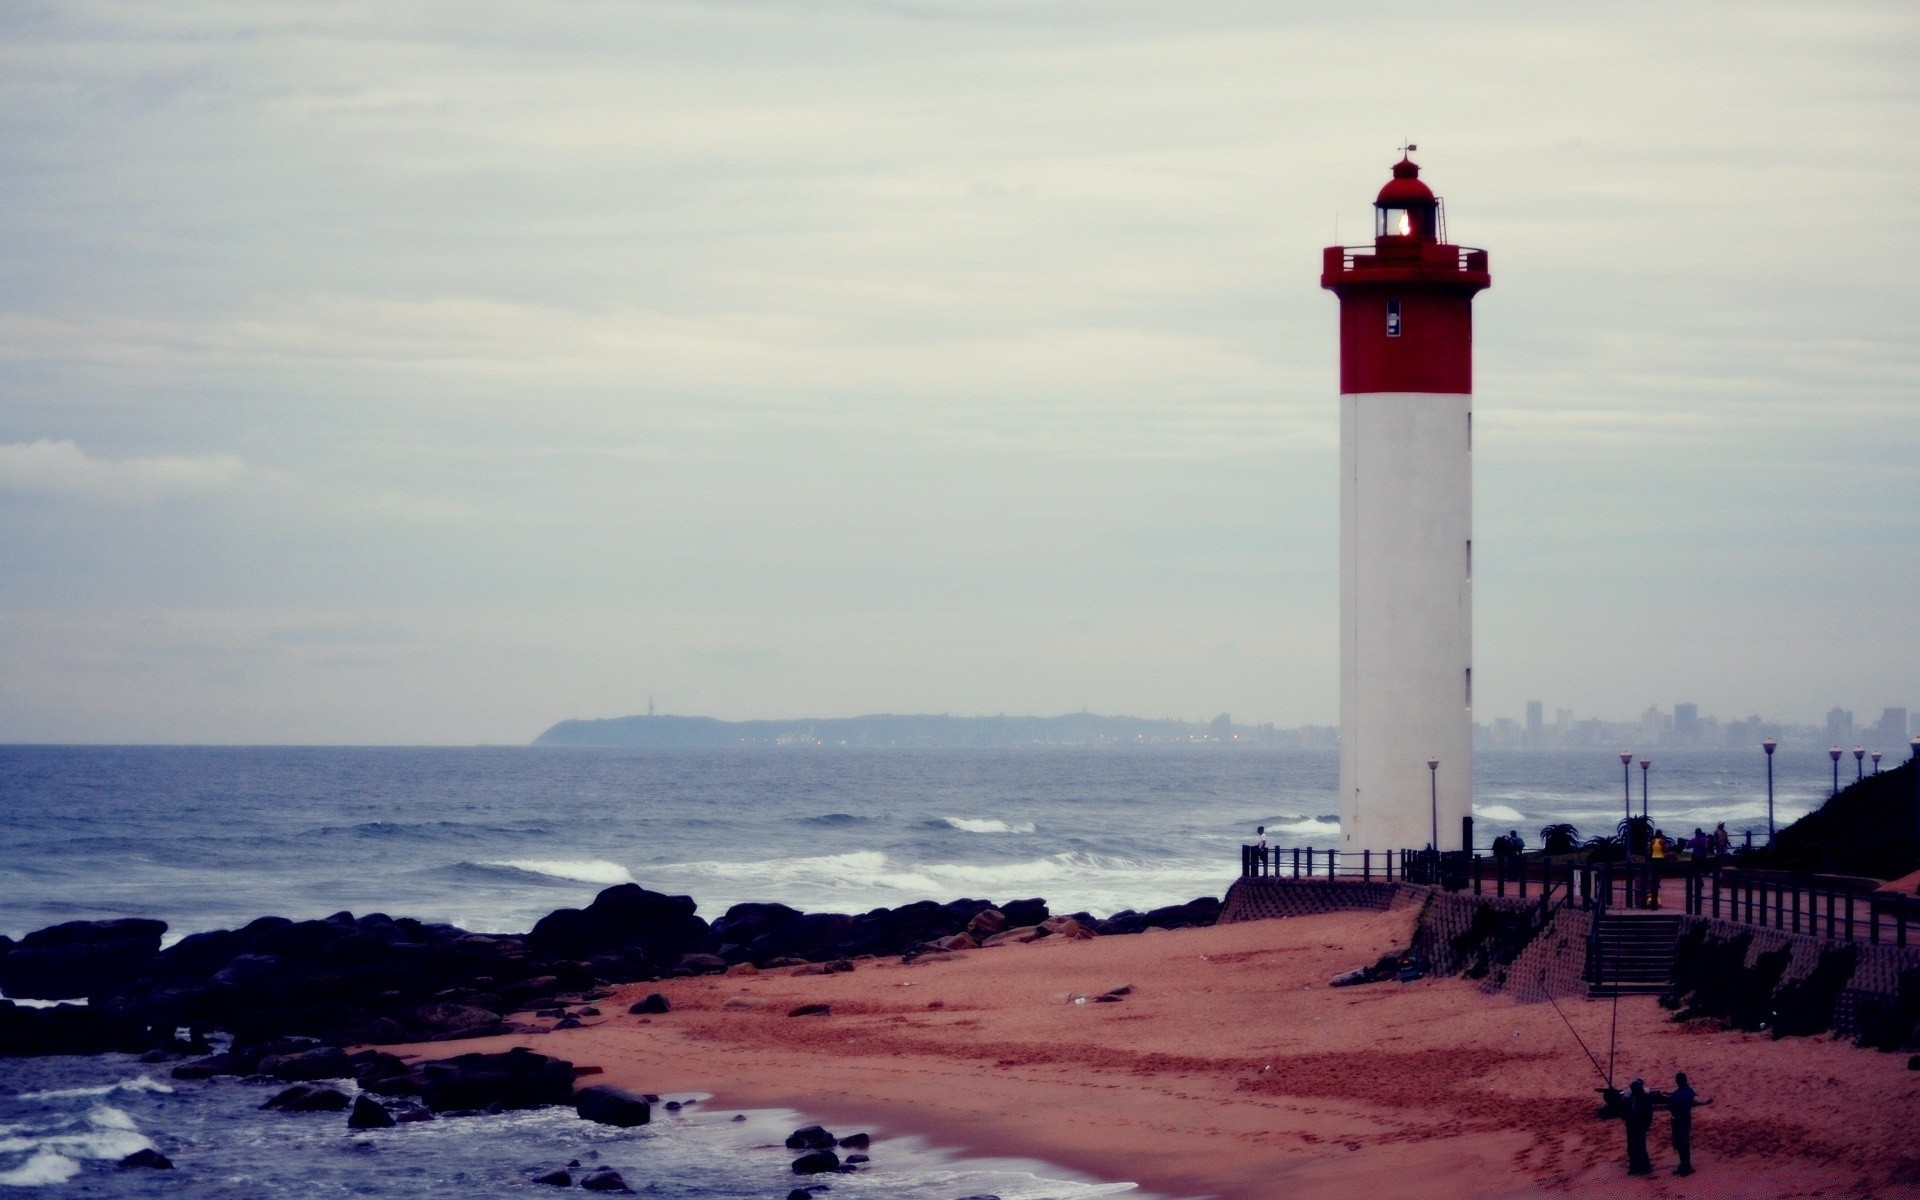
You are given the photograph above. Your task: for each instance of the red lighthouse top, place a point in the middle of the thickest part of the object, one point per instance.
(1406, 301)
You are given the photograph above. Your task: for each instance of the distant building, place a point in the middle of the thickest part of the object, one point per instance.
(1839, 726)
(1686, 724)
(1536, 725)
(1890, 733)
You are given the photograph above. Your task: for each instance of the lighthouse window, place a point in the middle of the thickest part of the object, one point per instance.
(1395, 222)
(1393, 318)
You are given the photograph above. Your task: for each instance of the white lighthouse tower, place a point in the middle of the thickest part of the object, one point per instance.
(1406, 523)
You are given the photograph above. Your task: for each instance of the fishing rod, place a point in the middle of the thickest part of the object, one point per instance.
(1613, 1038)
(1606, 1077)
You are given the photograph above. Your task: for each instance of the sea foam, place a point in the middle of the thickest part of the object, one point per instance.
(986, 825)
(589, 870)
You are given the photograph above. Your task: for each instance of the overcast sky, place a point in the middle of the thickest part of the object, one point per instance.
(433, 372)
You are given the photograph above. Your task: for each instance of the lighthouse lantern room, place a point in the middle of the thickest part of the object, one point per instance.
(1406, 522)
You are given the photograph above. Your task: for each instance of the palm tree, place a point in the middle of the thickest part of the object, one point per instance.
(1559, 839)
(1637, 831)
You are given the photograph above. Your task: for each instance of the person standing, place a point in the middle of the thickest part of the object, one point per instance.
(1681, 1102)
(1637, 1112)
(1260, 850)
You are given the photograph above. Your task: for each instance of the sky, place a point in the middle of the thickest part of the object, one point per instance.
(434, 372)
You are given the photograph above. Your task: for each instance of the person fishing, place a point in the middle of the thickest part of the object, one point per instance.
(1681, 1102)
(1635, 1110)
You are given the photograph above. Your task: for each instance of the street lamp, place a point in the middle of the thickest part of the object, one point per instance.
(1859, 769)
(1644, 764)
(1626, 787)
(1835, 755)
(1769, 746)
(1433, 796)
(1875, 756)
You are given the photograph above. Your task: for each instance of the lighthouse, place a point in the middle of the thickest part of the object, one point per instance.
(1406, 522)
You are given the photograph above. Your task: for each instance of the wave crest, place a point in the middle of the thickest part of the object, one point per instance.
(985, 825)
(585, 870)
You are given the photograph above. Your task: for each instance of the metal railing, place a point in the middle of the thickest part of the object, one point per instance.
(1830, 907)
(1468, 258)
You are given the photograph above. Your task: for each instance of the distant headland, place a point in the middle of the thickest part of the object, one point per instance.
(926, 731)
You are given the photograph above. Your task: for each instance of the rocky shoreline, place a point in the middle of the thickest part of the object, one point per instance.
(279, 986)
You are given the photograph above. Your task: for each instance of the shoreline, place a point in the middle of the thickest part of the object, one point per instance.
(1232, 1070)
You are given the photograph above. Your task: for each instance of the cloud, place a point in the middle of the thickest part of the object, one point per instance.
(62, 469)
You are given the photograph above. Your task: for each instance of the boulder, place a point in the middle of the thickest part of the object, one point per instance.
(305, 1097)
(1025, 912)
(605, 1179)
(372, 1065)
(855, 1141)
(1014, 936)
(147, 1158)
(559, 1177)
(367, 1114)
(608, 1105)
(446, 1022)
(81, 958)
(655, 1003)
(809, 1137)
(959, 941)
(810, 1010)
(854, 1160)
(700, 964)
(1067, 927)
(818, 1162)
(624, 917)
(518, 1078)
(986, 923)
(325, 1062)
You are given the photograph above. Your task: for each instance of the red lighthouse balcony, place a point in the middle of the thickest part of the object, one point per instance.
(1392, 262)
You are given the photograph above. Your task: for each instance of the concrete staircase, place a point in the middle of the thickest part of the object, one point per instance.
(1631, 953)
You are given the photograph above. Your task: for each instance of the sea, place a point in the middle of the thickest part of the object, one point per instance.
(493, 838)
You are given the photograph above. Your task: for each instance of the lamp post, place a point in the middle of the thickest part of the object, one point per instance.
(1859, 768)
(1769, 746)
(1835, 755)
(1626, 787)
(1644, 764)
(1875, 756)
(1433, 797)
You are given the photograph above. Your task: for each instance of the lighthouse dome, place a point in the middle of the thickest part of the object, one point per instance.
(1405, 190)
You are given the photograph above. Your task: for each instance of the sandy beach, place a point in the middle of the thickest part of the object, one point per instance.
(1232, 1069)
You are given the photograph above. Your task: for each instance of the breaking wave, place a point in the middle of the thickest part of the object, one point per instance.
(985, 825)
(587, 870)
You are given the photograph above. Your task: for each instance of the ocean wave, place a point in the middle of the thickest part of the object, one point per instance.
(862, 879)
(427, 830)
(586, 870)
(836, 819)
(1325, 827)
(76, 1001)
(112, 1136)
(141, 1083)
(44, 1168)
(984, 825)
(1497, 812)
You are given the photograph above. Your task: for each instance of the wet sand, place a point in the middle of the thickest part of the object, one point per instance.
(1233, 1070)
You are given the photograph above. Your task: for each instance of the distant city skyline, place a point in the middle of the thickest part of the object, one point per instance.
(1685, 726)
